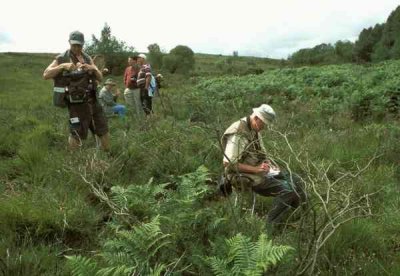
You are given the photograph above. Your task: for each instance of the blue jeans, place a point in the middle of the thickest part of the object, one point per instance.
(120, 109)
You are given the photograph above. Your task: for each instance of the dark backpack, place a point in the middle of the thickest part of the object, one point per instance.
(72, 86)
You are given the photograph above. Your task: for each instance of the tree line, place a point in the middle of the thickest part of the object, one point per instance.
(115, 52)
(374, 44)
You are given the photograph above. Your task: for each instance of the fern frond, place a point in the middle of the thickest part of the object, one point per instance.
(240, 249)
(157, 270)
(219, 266)
(116, 271)
(266, 254)
(118, 258)
(81, 266)
(245, 257)
(136, 247)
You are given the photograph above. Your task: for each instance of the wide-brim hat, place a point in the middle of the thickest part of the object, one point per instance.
(142, 56)
(265, 113)
(109, 81)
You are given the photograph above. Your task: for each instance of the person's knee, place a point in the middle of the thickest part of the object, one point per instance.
(298, 197)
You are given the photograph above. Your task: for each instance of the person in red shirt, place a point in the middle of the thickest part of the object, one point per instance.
(132, 91)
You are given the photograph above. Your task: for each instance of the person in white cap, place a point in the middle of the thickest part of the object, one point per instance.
(144, 82)
(247, 165)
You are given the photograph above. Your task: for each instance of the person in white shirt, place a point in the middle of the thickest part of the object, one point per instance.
(247, 165)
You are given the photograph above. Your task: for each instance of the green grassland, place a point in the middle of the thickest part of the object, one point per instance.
(149, 206)
(216, 65)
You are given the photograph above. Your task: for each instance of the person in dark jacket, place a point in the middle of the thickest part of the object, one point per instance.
(75, 77)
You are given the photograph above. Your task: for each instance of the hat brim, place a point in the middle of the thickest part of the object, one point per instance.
(264, 120)
(74, 42)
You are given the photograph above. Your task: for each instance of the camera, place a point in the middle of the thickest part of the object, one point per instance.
(74, 74)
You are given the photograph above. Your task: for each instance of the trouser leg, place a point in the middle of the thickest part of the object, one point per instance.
(119, 109)
(146, 101)
(287, 195)
(105, 142)
(129, 98)
(138, 103)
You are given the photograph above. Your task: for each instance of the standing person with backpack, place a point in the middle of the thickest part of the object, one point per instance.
(75, 81)
(132, 91)
(146, 83)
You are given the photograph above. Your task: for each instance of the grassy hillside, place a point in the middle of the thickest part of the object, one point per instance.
(149, 206)
(216, 65)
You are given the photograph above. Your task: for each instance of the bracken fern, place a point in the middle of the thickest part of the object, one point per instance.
(132, 252)
(245, 257)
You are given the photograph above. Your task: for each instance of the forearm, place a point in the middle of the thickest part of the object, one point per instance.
(95, 70)
(52, 71)
(148, 78)
(126, 79)
(245, 168)
(98, 74)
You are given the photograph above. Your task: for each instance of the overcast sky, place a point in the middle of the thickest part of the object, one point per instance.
(269, 28)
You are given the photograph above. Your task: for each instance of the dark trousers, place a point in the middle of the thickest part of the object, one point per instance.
(87, 116)
(146, 101)
(288, 192)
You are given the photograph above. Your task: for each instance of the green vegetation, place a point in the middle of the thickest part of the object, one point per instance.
(179, 60)
(108, 52)
(150, 207)
(155, 56)
(378, 43)
(211, 65)
(114, 52)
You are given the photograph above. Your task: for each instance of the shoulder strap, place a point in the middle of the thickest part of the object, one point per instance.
(68, 55)
(86, 57)
(256, 137)
(64, 57)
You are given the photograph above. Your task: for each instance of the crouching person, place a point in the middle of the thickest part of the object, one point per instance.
(247, 166)
(107, 98)
(75, 79)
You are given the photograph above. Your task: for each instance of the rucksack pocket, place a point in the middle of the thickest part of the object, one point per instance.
(59, 97)
(76, 95)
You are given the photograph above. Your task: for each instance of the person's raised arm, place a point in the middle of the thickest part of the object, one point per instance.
(54, 69)
(92, 67)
